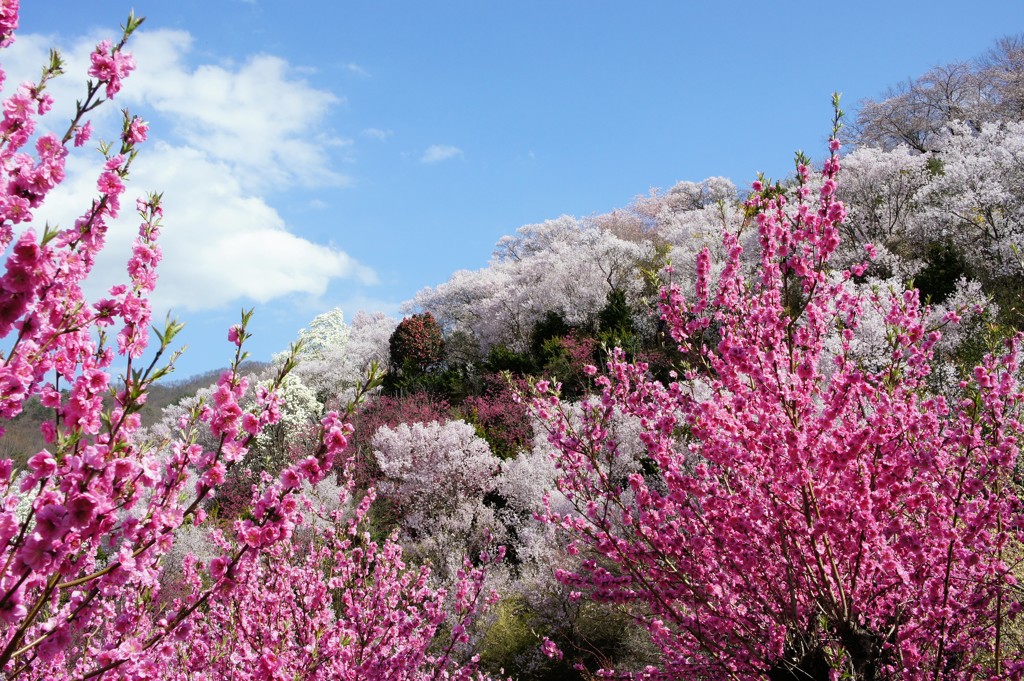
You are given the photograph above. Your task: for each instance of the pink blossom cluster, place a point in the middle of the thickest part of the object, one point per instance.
(110, 66)
(8, 21)
(337, 606)
(503, 420)
(794, 519)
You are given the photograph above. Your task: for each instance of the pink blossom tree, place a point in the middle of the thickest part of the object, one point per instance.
(798, 514)
(86, 523)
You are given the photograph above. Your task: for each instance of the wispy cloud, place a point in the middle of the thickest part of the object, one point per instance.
(378, 134)
(436, 153)
(358, 70)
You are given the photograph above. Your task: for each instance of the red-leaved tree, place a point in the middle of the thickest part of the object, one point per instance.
(417, 342)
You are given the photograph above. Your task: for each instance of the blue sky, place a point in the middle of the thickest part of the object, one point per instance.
(322, 153)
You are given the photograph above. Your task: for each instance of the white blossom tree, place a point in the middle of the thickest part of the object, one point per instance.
(977, 201)
(883, 191)
(336, 356)
(566, 266)
(434, 479)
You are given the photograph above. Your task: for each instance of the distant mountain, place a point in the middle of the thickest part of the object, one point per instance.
(23, 439)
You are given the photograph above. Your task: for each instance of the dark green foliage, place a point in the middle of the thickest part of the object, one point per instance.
(651, 269)
(617, 330)
(945, 266)
(564, 360)
(502, 358)
(1008, 293)
(616, 317)
(454, 383)
(553, 357)
(509, 637)
(552, 325)
(592, 635)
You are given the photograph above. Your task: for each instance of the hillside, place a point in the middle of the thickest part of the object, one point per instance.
(722, 432)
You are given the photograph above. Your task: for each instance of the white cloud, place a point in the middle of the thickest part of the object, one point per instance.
(257, 116)
(220, 244)
(436, 153)
(224, 138)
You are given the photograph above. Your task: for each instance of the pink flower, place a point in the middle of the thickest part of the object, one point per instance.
(12, 610)
(82, 509)
(110, 67)
(43, 464)
(550, 649)
(218, 567)
(83, 133)
(250, 423)
(110, 183)
(214, 475)
(136, 132)
(310, 469)
(37, 552)
(290, 479)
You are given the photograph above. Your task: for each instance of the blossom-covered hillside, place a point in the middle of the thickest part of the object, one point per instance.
(765, 430)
